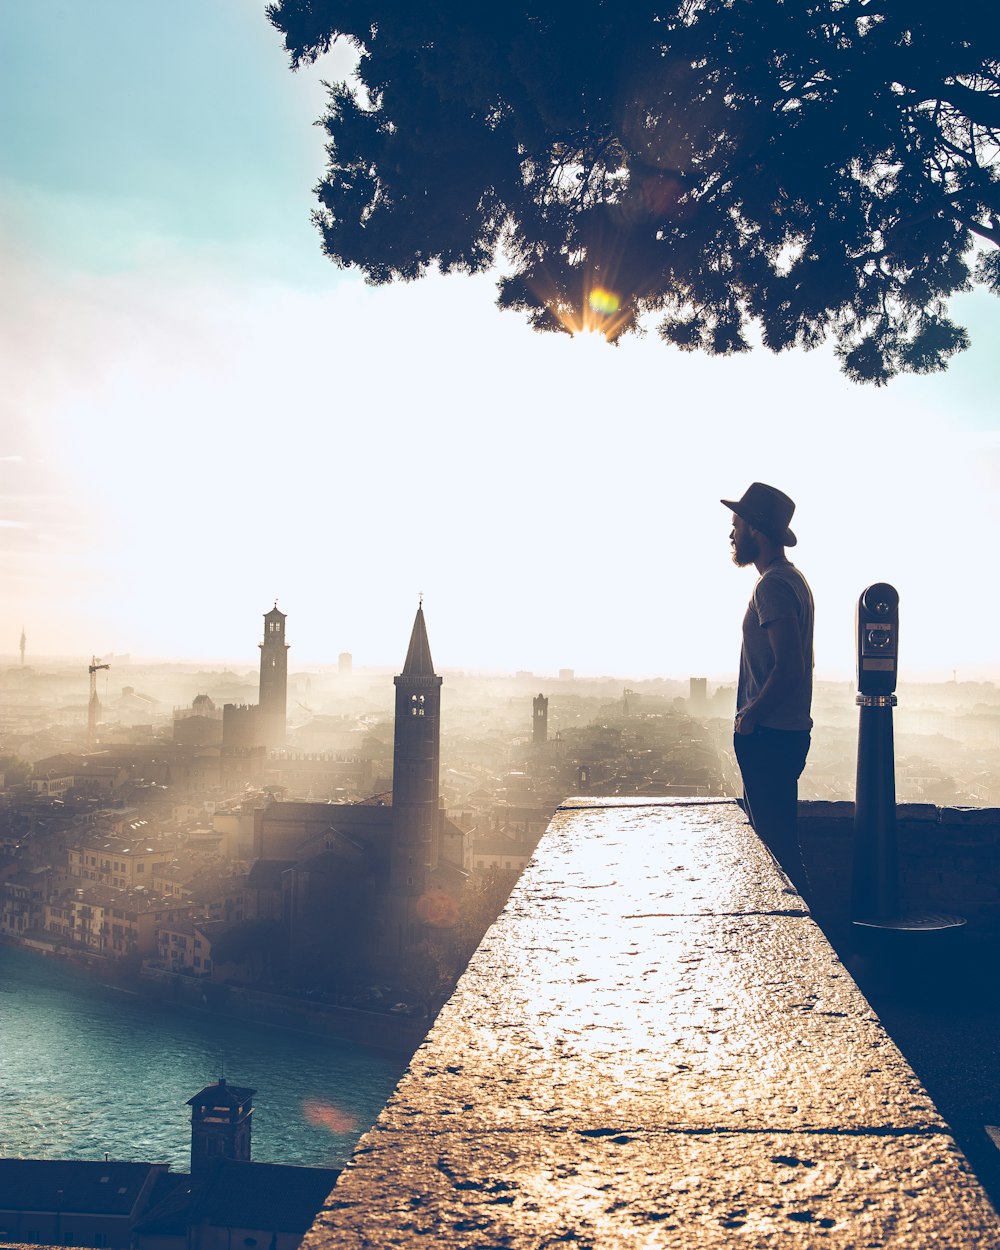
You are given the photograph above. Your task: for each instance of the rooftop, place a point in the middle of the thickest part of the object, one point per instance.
(107, 1188)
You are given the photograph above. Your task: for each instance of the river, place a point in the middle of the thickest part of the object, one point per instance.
(86, 1069)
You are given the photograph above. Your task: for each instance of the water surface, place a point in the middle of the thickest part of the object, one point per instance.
(87, 1069)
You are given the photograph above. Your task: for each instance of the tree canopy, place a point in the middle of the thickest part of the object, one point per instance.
(797, 170)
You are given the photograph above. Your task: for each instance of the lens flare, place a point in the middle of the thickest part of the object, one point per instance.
(437, 908)
(326, 1115)
(604, 302)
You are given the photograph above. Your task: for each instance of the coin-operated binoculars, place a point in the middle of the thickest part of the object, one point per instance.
(875, 889)
(875, 892)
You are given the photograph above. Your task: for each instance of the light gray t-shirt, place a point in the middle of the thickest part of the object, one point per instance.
(781, 591)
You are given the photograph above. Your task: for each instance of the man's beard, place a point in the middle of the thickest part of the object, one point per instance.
(746, 549)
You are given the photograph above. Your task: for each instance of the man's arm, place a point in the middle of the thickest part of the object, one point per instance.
(789, 667)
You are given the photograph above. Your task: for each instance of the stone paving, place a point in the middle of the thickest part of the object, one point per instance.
(655, 1046)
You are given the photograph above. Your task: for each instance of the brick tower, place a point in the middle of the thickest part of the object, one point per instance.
(540, 720)
(416, 819)
(273, 701)
(220, 1124)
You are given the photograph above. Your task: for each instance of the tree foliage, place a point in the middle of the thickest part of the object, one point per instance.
(812, 168)
(431, 971)
(15, 770)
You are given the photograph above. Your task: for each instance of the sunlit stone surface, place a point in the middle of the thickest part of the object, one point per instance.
(656, 1046)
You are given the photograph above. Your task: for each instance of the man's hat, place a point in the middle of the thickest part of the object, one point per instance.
(767, 510)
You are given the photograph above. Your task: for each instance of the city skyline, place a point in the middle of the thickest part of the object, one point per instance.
(203, 415)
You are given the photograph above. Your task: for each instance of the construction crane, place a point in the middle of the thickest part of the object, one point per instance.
(94, 706)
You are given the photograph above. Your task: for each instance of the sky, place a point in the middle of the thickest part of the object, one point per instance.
(201, 415)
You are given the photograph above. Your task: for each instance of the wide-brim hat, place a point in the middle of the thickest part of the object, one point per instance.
(767, 509)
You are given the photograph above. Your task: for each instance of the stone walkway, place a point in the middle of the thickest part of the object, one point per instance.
(655, 1046)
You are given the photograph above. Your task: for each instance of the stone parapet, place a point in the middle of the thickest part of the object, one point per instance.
(948, 857)
(656, 1046)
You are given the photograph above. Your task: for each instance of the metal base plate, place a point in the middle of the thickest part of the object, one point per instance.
(914, 922)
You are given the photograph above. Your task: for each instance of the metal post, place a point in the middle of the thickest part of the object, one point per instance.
(875, 902)
(875, 892)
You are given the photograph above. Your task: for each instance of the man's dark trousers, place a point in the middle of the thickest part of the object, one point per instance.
(771, 761)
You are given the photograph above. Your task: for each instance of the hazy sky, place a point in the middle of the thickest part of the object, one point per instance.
(200, 414)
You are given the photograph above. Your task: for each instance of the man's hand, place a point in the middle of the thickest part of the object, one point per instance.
(786, 647)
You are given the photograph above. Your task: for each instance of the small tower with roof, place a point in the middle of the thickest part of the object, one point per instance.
(220, 1124)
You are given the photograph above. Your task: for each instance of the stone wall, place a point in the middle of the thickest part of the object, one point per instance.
(655, 1046)
(949, 861)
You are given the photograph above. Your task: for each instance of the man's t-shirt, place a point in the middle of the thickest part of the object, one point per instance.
(781, 591)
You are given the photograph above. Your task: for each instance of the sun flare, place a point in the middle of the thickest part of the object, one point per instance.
(590, 338)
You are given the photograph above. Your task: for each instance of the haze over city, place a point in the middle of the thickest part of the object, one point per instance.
(428, 813)
(202, 415)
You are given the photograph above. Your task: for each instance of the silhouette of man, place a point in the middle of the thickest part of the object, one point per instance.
(774, 696)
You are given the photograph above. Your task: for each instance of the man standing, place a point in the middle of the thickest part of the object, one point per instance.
(774, 695)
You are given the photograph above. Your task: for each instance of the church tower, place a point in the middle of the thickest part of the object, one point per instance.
(273, 701)
(415, 769)
(220, 1125)
(540, 721)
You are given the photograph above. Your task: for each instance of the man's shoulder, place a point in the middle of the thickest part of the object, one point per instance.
(781, 584)
(786, 573)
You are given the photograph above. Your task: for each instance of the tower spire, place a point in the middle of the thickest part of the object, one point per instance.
(418, 656)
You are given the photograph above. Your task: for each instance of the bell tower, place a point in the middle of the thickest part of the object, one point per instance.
(220, 1124)
(273, 701)
(540, 720)
(415, 770)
